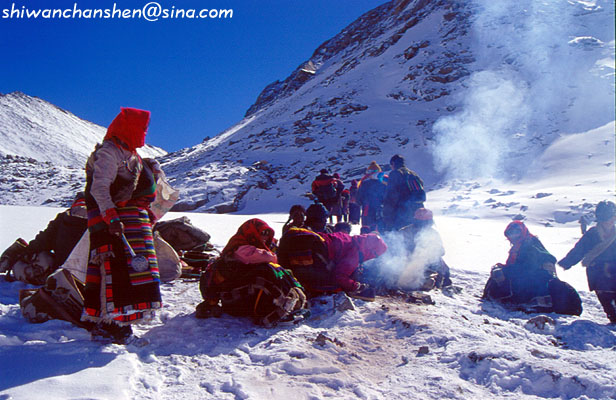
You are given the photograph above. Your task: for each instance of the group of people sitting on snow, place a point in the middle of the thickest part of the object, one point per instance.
(114, 281)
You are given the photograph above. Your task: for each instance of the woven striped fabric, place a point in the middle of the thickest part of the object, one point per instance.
(138, 232)
(111, 292)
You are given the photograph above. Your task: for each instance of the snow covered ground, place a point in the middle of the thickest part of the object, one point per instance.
(458, 348)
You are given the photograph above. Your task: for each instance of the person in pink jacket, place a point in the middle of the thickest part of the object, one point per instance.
(251, 244)
(346, 253)
(246, 279)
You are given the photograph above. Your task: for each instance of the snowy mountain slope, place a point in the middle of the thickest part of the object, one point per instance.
(43, 150)
(332, 119)
(458, 348)
(474, 89)
(470, 89)
(580, 170)
(33, 128)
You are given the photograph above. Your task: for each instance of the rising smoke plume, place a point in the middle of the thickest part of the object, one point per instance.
(544, 68)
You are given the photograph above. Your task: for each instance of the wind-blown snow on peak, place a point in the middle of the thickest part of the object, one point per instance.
(460, 89)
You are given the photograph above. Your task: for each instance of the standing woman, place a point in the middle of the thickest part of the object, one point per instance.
(119, 190)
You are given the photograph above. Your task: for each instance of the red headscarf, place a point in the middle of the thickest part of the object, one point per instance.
(130, 126)
(249, 233)
(517, 242)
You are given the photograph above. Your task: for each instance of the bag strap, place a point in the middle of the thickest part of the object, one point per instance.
(598, 249)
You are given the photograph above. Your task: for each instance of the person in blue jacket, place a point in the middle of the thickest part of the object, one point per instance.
(596, 249)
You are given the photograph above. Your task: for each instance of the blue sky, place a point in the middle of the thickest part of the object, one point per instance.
(197, 77)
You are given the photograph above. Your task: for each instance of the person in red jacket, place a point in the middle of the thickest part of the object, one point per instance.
(346, 253)
(325, 189)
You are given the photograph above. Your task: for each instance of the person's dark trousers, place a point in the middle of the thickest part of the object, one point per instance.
(608, 301)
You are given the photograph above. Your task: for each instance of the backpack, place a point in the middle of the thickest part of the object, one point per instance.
(266, 292)
(565, 298)
(305, 253)
(181, 234)
(60, 298)
(415, 186)
(325, 190)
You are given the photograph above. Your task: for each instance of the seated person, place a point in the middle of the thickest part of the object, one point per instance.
(35, 261)
(246, 281)
(327, 262)
(343, 227)
(425, 252)
(316, 218)
(528, 278)
(297, 216)
(346, 253)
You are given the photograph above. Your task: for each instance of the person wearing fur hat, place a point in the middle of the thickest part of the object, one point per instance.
(119, 190)
(596, 249)
(403, 196)
(370, 196)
